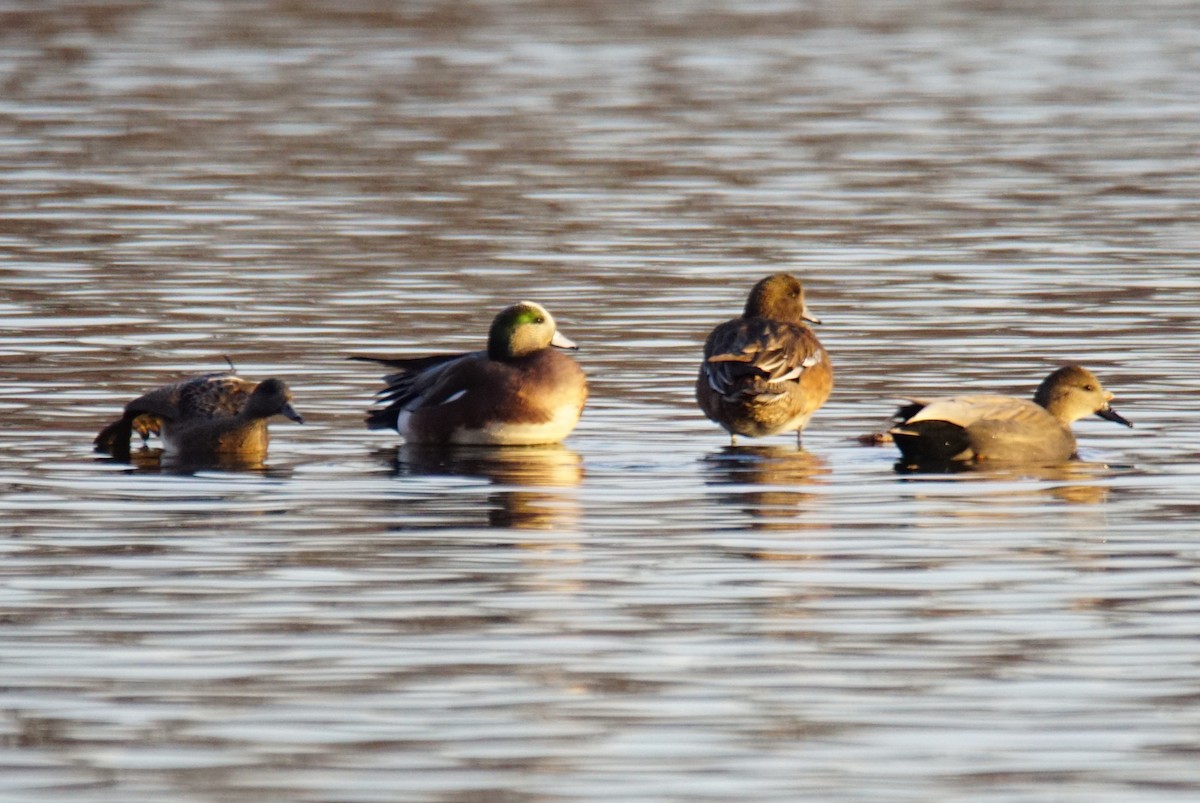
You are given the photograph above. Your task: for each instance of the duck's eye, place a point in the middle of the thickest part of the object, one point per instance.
(1089, 388)
(539, 319)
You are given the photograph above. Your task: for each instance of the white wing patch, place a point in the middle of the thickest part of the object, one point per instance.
(453, 397)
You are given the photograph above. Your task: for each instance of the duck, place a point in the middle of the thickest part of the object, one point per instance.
(522, 390)
(203, 416)
(979, 429)
(765, 373)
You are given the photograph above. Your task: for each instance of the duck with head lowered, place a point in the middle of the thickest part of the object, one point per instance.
(203, 417)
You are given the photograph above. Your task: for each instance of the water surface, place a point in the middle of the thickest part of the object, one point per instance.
(973, 193)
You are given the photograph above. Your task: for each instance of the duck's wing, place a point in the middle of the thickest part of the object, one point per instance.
(423, 382)
(146, 413)
(209, 396)
(909, 409)
(757, 355)
(966, 411)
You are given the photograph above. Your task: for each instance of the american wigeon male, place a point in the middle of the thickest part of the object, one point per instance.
(765, 372)
(1003, 429)
(521, 391)
(203, 417)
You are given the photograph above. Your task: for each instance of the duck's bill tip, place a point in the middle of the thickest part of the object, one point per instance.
(291, 413)
(1110, 414)
(807, 315)
(562, 341)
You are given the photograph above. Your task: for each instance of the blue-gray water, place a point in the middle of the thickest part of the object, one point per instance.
(974, 193)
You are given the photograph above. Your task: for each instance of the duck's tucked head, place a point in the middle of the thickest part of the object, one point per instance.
(1073, 392)
(523, 329)
(271, 397)
(780, 296)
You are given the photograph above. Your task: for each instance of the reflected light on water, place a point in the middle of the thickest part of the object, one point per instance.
(973, 193)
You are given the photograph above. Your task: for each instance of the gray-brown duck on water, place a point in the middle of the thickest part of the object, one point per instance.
(995, 429)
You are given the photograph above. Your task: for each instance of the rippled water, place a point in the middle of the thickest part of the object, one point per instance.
(973, 192)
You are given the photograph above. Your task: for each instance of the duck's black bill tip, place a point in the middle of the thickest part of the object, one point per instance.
(1113, 415)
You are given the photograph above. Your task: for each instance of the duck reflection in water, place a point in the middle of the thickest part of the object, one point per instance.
(1076, 482)
(768, 482)
(529, 485)
(148, 460)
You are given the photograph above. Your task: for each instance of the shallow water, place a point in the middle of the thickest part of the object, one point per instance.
(973, 193)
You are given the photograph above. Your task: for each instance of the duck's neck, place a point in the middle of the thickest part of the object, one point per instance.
(253, 412)
(1056, 406)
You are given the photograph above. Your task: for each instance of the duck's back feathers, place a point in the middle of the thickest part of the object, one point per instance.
(751, 357)
(762, 377)
(207, 397)
(967, 411)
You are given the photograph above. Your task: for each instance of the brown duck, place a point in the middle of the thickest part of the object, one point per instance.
(765, 372)
(205, 416)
